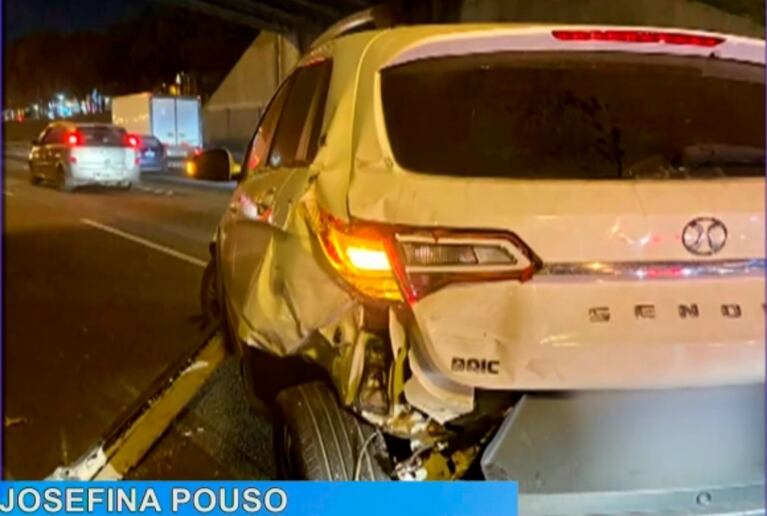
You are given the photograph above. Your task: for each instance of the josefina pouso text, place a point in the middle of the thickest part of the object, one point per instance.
(60, 498)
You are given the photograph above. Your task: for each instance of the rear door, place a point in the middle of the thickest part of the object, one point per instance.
(164, 120)
(275, 171)
(39, 156)
(188, 122)
(53, 149)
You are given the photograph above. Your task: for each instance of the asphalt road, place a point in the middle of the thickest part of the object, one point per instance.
(101, 294)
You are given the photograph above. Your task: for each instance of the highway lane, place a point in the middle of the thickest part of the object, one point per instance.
(101, 293)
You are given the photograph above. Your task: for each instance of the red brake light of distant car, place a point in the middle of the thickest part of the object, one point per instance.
(132, 141)
(393, 263)
(74, 138)
(637, 36)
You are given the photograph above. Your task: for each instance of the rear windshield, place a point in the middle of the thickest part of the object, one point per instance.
(576, 116)
(150, 141)
(102, 136)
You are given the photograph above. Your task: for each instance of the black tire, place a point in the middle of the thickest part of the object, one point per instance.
(212, 304)
(63, 182)
(317, 439)
(210, 301)
(34, 179)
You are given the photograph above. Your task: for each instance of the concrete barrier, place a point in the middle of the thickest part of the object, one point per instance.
(18, 151)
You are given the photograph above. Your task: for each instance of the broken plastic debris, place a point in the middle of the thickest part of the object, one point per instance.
(85, 469)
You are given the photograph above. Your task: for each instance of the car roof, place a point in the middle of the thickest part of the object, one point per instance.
(91, 125)
(83, 125)
(387, 45)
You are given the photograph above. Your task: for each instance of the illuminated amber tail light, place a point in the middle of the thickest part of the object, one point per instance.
(396, 263)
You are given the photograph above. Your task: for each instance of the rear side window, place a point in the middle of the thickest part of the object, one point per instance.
(576, 116)
(53, 135)
(298, 132)
(259, 146)
(102, 136)
(150, 141)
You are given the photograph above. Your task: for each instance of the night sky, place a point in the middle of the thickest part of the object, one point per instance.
(24, 17)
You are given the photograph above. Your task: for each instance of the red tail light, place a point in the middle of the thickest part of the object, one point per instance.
(74, 138)
(635, 36)
(132, 140)
(395, 263)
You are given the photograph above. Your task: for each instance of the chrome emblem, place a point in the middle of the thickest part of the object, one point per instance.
(704, 236)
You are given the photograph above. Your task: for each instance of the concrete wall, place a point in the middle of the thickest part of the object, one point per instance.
(669, 13)
(232, 112)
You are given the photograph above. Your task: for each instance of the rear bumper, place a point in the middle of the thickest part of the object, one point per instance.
(81, 176)
(572, 334)
(153, 167)
(696, 451)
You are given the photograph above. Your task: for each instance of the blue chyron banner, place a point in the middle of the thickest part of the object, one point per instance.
(310, 498)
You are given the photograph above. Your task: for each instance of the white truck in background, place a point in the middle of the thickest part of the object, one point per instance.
(175, 121)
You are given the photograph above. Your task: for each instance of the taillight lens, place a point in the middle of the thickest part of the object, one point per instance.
(359, 254)
(638, 36)
(74, 138)
(132, 140)
(395, 263)
(432, 259)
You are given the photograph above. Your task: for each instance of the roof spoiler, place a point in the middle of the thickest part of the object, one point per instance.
(378, 17)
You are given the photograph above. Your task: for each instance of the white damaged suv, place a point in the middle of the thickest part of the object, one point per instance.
(443, 232)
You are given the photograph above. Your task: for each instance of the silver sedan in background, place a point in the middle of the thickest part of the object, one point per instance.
(70, 155)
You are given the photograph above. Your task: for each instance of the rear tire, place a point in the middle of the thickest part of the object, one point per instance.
(317, 439)
(210, 301)
(63, 181)
(34, 179)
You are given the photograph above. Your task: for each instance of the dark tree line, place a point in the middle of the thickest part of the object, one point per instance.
(136, 55)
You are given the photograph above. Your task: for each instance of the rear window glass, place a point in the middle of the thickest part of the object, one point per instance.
(150, 141)
(576, 116)
(102, 136)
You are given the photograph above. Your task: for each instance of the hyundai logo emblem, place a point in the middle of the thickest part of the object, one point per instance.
(704, 236)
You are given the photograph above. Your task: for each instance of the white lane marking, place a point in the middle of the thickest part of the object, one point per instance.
(143, 241)
(156, 191)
